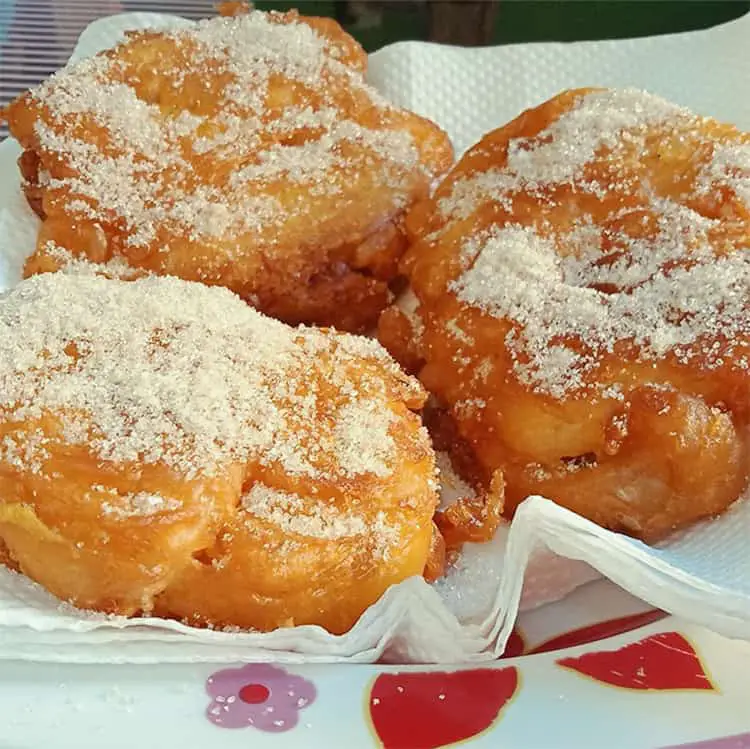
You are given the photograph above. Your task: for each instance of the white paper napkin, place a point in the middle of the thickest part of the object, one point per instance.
(702, 575)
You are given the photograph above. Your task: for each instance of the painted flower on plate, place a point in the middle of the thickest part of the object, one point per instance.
(260, 695)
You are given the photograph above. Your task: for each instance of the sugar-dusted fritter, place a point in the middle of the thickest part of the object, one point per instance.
(581, 308)
(166, 449)
(243, 151)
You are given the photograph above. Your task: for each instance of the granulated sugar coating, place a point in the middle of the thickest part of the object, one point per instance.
(582, 278)
(247, 152)
(640, 236)
(163, 370)
(314, 517)
(163, 446)
(663, 307)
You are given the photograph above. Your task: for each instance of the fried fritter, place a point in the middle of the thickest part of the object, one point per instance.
(246, 152)
(166, 449)
(581, 305)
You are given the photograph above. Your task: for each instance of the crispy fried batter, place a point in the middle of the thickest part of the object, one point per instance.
(246, 152)
(436, 562)
(473, 519)
(582, 283)
(166, 449)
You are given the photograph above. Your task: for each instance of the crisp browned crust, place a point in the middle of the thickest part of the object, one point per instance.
(166, 449)
(246, 152)
(582, 283)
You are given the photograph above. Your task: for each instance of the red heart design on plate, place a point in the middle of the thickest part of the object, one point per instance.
(663, 661)
(598, 631)
(515, 646)
(426, 710)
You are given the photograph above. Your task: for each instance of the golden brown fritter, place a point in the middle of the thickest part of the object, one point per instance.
(581, 290)
(166, 449)
(246, 152)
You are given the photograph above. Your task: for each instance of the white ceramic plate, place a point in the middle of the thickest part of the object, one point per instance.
(599, 669)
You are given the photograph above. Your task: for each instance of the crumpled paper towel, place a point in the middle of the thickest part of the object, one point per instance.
(702, 575)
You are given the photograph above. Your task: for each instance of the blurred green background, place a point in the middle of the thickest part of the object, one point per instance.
(375, 24)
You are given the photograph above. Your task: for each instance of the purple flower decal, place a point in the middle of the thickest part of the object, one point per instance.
(259, 695)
